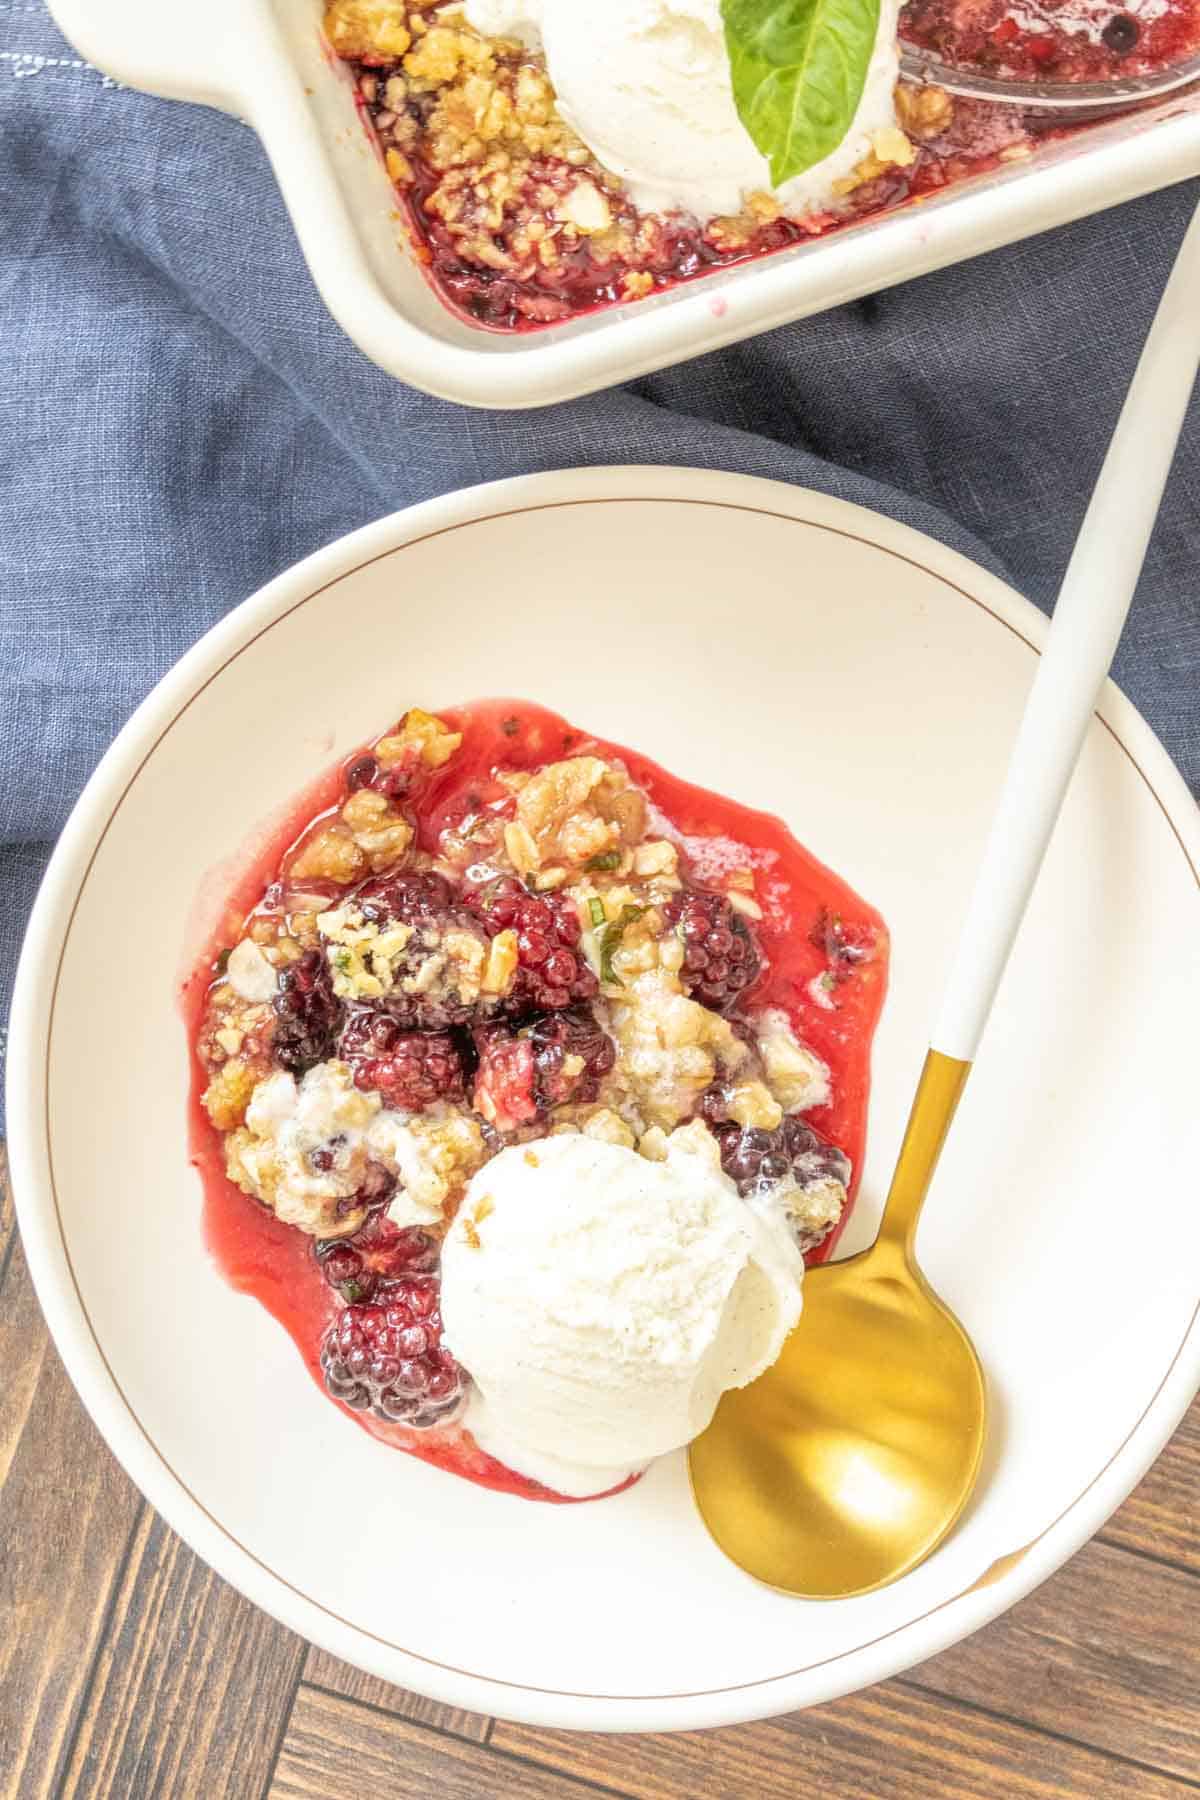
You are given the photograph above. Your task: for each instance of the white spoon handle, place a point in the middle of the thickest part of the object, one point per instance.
(1091, 610)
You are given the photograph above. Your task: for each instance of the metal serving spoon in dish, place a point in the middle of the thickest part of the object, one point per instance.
(1083, 98)
(846, 1463)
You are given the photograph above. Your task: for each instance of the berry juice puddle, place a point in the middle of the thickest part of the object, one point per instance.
(519, 226)
(485, 928)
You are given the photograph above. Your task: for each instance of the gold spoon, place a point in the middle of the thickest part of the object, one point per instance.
(849, 1461)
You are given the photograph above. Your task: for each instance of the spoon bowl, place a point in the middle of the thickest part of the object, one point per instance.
(852, 1457)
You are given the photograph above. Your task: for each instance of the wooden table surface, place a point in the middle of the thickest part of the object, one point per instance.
(127, 1669)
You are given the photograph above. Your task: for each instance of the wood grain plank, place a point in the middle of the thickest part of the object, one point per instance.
(1162, 1516)
(191, 1687)
(325, 1671)
(1106, 1653)
(66, 1515)
(8, 1217)
(889, 1743)
(334, 1748)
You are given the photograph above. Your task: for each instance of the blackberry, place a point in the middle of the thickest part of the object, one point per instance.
(552, 971)
(756, 1160)
(411, 1069)
(422, 899)
(1121, 33)
(389, 1357)
(308, 1014)
(561, 1057)
(378, 1254)
(564, 1039)
(720, 956)
(845, 945)
(504, 1084)
(427, 995)
(361, 773)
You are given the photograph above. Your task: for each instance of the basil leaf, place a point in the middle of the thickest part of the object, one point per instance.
(798, 69)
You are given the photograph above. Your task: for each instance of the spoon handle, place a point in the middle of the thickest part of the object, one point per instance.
(1092, 607)
(1091, 610)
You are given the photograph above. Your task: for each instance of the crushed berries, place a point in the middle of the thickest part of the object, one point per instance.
(437, 978)
(389, 1357)
(307, 1012)
(756, 1160)
(412, 1070)
(560, 1059)
(552, 971)
(377, 1254)
(720, 956)
(846, 946)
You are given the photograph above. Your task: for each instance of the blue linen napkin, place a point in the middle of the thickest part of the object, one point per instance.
(180, 418)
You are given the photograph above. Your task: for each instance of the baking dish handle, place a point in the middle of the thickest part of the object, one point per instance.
(178, 52)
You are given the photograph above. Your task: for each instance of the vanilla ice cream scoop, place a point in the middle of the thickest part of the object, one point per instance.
(602, 1303)
(646, 84)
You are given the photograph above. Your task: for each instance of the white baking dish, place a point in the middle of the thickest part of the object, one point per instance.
(264, 61)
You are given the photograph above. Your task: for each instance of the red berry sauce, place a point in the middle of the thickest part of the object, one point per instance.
(824, 963)
(1055, 40)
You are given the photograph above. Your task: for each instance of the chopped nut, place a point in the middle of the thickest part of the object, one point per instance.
(594, 1122)
(586, 208)
(433, 1154)
(636, 284)
(924, 112)
(368, 27)
(671, 1047)
(381, 832)
(764, 207)
(228, 1094)
(892, 147)
(572, 811)
(501, 964)
(249, 973)
(364, 958)
(421, 735)
(743, 903)
(751, 1103)
(331, 855)
(795, 1074)
(658, 857)
(653, 1144)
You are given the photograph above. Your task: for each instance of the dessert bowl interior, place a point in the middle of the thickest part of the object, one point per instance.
(800, 655)
(266, 62)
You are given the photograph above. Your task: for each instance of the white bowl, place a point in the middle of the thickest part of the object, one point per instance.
(264, 61)
(799, 654)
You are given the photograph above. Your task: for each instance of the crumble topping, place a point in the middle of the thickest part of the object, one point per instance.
(520, 225)
(388, 1020)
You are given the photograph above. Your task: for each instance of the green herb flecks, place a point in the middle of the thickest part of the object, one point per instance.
(596, 911)
(610, 859)
(610, 943)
